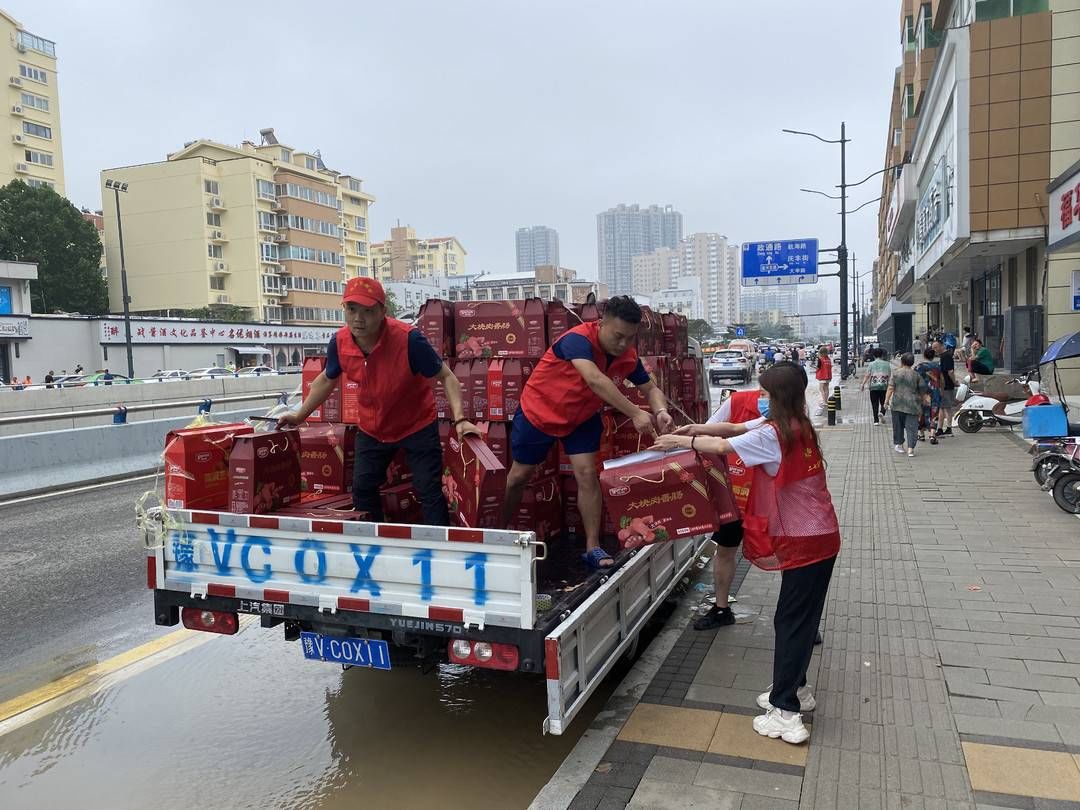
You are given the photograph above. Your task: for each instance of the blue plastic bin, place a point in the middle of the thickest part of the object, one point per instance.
(1045, 422)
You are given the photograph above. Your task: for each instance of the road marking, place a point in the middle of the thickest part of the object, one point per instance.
(83, 683)
(73, 490)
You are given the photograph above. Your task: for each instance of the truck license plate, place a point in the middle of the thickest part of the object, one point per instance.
(357, 652)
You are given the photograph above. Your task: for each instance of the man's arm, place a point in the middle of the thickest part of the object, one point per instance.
(321, 389)
(453, 397)
(604, 388)
(658, 405)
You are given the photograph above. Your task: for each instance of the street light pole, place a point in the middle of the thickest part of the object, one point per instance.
(117, 187)
(841, 253)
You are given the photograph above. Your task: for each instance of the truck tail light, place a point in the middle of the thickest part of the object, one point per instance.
(210, 621)
(488, 654)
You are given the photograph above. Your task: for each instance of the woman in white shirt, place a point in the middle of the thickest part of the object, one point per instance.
(790, 525)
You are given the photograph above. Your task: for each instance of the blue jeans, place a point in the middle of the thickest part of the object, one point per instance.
(905, 425)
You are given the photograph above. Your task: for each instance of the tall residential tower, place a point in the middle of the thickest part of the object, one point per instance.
(626, 231)
(536, 247)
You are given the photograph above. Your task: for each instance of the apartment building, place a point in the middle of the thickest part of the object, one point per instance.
(705, 262)
(626, 231)
(265, 227)
(535, 247)
(986, 95)
(97, 219)
(546, 281)
(654, 271)
(405, 256)
(764, 305)
(33, 104)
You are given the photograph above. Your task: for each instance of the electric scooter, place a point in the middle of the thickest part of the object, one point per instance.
(981, 409)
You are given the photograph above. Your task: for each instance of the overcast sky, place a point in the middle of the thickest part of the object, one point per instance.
(475, 118)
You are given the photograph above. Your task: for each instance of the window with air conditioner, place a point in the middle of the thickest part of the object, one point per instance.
(214, 251)
(211, 186)
(217, 283)
(213, 220)
(37, 130)
(40, 158)
(34, 74)
(34, 101)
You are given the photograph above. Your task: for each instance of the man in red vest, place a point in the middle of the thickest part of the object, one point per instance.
(562, 400)
(393, 365)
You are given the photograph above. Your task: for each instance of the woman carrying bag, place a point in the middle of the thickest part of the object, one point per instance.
(789, 525)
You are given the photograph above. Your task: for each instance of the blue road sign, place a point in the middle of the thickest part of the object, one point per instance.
(793, 261)
(740, 332)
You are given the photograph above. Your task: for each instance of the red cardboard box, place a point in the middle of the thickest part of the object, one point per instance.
(323, 507)
(515, 374)
(350, 401)
(445, 429)
(330, 410)
(327, 457)
(487, 329)
(264, 472)
(656, 496)
(436, 322)
(688, 380)
(496, 395)
(478, 383)
(197, 466)
(540, 510)
(625, 439)
(474, 483)
(558, 320)
(497, 438)
(587, 312)
(401, 505)
(463, 371)
(536, 338)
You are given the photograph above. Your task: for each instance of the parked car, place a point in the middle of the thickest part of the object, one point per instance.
(256, 371)
(729, 364)
(208, 373)
(170, 374)
(99, 379)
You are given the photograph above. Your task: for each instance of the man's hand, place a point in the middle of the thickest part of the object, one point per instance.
(467, 428)
(290, 419)
(643, 422)
(664, 422)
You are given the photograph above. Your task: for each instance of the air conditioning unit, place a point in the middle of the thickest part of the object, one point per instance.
(215, 202)
(271, 302)
(17, 138)
(15, 81)
(22, 168)
(17, 110)
(20, 47)
(215, 234)
(221, 266)
(223, 299)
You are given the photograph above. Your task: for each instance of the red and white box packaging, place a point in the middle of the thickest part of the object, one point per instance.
(327, 457)
(478, 395)
(330, 410)
(655, 496)
(558, 320)
(485, 329)
(401, 504)
(197, 466)
(436, 322)
(264, 472)
(474, 482)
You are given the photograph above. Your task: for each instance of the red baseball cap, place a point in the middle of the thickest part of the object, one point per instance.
(367, 292)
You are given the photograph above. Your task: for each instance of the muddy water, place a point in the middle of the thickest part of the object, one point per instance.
(245, 722)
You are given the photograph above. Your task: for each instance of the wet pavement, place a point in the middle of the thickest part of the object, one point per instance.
(241, 721)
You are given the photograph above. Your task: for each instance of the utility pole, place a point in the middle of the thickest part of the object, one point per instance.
(118, 186)
(841, 254)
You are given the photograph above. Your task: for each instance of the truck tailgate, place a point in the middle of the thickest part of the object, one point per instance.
(475, 576)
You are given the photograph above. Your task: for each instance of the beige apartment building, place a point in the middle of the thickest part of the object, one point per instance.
(261, 226)
(404, 256)
(654, 271)
(985, 112)
(33, 109)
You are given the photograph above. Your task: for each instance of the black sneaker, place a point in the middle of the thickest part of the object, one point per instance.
(948, 431)
(715, 618)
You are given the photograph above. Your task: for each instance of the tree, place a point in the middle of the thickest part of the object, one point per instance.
(38, 225)
(391, 304)
(699, 329)
(228, 313)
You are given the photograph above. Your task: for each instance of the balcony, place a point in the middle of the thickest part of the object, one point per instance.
(266, 227)
(905, 195)
(214, 202)
(217, 236)
(21, 168)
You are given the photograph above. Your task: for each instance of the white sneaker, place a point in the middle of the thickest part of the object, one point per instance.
(899, 448)
(911, 452)
(772, 724)
(807, 703)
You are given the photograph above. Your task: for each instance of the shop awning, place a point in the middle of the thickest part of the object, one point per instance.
(251, 350)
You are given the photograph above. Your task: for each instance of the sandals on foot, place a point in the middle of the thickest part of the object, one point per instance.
(594, 558)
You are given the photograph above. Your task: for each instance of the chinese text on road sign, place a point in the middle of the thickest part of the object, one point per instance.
(785, 262)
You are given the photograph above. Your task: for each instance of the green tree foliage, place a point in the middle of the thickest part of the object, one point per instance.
(38, 225)
(392, 307)
(699, 329)
(227, 313)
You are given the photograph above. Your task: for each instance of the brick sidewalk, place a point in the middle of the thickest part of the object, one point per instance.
(950, 670)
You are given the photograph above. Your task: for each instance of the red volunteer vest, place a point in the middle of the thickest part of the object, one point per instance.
(556, 399)
(791, 522)
(392, 402)
(743, 409)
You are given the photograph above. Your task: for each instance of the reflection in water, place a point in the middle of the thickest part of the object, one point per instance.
(246, 722)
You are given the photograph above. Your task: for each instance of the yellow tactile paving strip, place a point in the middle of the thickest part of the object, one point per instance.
(1023, 771)
(703, 730)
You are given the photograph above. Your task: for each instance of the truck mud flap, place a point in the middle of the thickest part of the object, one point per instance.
(580, 652)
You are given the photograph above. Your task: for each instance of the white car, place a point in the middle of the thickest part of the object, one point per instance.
(170, 374)
(209, 373)
(255, 371)
(729, 364)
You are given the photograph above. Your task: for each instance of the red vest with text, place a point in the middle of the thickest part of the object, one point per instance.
(743, 409)
(791, 522)
(556, 399)
(392, 401)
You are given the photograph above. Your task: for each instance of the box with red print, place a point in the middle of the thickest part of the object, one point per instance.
(474, 483)
(486, 329)
(327, 457)
(264, 472)
(197, 466)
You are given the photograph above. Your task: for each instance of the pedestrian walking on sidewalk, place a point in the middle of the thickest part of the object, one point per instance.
(823, 376)
(789, 525)
(904, 397)
(877, 378)
(930, 370)
(948, 385)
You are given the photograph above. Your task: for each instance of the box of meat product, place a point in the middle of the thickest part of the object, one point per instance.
(587, 312)
(327, 457)
(497, 438)
(514, 376)
(442, 404)
(688, 380)
(398, 472)
(558, 320)
(401, 504)
(445, 428)
(264, 472)
(350, 400)
(436, 322)
(682, 336)
(330, 410)
(670, 326)
(656, 496)
(463, 372)
(324, 507)
(486, 329)
(656, 367)
(625, 439)
(474, 483)
(536, 336)
(197, 466)
(646, 339)
(541, 508)
(496, 399)
(573, 524)
(478, 383)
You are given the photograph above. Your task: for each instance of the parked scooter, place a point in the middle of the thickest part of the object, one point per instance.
(982, 409)
(1064, 482)
(1059, 466)
(1053, 456)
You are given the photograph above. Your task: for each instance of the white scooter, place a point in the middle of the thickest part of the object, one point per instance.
(981, 409)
